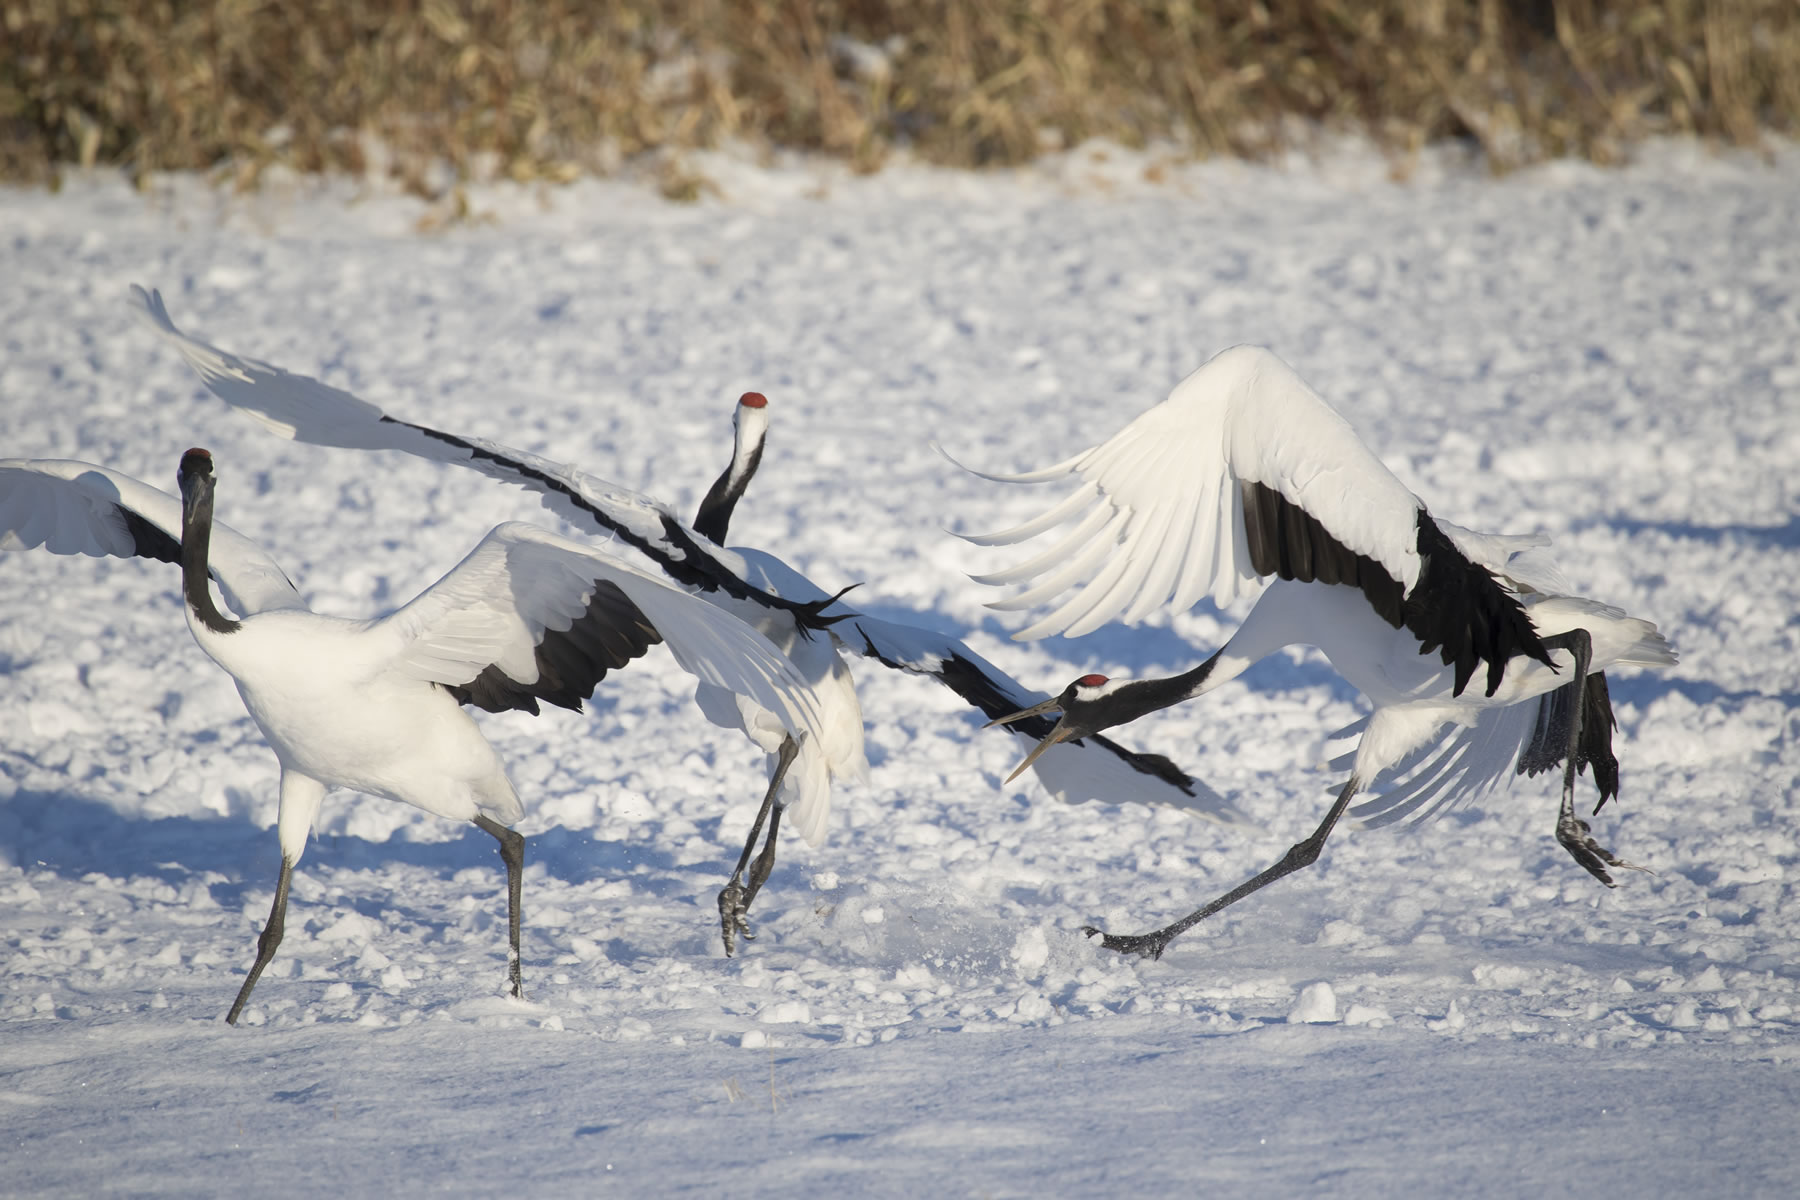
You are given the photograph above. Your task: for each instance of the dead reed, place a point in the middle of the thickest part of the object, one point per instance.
(439, 90)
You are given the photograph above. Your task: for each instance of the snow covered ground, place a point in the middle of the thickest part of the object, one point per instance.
(1607, 357)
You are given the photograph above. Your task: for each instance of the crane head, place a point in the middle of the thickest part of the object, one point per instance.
(1080, 716)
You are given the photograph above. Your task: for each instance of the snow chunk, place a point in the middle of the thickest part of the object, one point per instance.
(1708, 980)
(1031, 950)
(1339, 933)
(787, 1012)
(1317, 1005)
(351, 927)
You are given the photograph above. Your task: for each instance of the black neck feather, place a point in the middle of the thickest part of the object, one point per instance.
(1144, 696)
(714, 517)
(196, 539)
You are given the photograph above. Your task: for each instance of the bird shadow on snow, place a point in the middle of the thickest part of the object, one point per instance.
(75, 837)
(1642, 687)
(1140, 647)
(1786, 536)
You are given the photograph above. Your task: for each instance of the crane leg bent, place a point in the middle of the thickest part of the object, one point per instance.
(512, 853)
(1300, 854)
(267, 943)
(1573, 833)
(735, 898)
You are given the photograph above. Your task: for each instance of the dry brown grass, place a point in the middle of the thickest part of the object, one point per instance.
(555, 88)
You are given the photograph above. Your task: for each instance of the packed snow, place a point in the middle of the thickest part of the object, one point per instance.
(1611, 358)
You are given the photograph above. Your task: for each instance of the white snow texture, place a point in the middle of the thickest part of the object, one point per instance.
(1609, 358)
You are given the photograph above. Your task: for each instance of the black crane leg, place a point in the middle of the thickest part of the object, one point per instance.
(1572, 833)
(512, 853)
(1301, 854)
(735, 898)
(267, 943)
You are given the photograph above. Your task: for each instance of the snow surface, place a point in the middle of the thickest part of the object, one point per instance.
(1609, 357)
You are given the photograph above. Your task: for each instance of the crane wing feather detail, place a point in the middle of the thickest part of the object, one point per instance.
(524, 588)
(71, 507)
(1242, 472)
(1246, 473)
(303, 409)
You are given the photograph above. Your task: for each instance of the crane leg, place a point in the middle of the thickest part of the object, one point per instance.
(1572, 833)
(735, 897)
(512, 853)
(267, 943)
(1300, 854)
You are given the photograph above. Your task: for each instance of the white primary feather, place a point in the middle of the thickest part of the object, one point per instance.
(300, 408)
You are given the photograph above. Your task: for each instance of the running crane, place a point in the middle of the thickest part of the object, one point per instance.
(1244, 472)
(757, 586)
(375, 706)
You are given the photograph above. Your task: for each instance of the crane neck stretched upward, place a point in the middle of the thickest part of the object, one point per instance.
(196, 479)
(750, 427)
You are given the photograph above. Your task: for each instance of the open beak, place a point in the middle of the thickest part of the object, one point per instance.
(1060, 733)
(1054, 704)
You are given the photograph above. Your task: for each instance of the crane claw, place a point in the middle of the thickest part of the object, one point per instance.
(734, 916)
(1574, 836)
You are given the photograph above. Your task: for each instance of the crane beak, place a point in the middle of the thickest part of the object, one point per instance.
(1060, 733)
(1054, 704)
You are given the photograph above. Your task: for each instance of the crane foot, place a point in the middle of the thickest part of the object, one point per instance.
(1146, 945)
(734, 918)
(1573, 834)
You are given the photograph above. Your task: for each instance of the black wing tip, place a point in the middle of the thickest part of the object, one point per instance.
(570, 662)
(1460, 610)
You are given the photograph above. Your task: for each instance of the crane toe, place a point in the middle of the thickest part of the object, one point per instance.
(1574, 836)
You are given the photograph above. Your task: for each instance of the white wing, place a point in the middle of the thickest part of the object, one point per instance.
(303, 409)
(70, 507)
(521, 583)
(1160, 508)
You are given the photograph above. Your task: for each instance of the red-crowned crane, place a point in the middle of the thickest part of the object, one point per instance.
(756, 585)
(375, 705)
(1244, 472)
